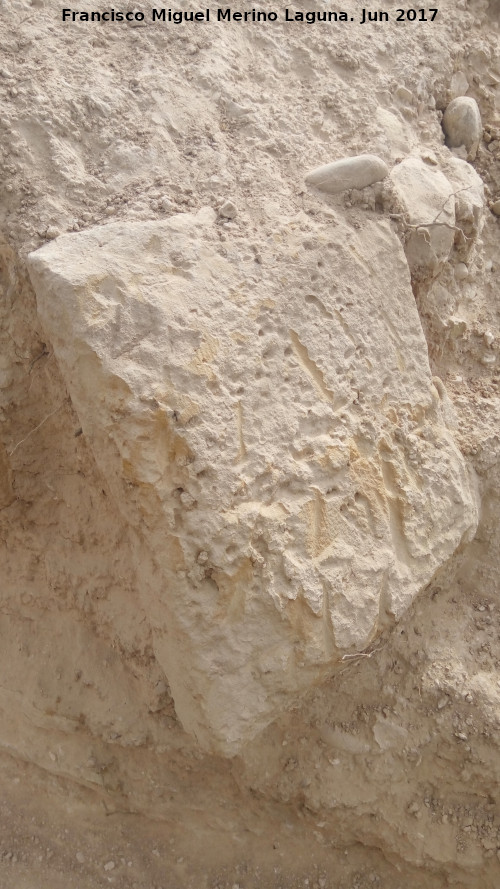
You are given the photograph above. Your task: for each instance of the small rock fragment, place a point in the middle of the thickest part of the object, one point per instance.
(404, 94)
(80, 857)
(495, 208)
(459, 85)
(228, 210)
(234, 110)
(489, 337)
(461, 271)
(350, 172)
(165, 203)
(109, 865)
(462, 124)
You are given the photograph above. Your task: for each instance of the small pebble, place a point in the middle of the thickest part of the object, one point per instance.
(228, 210)
(109, 865)
(495, 208)
(165, 204)
(80, 857)
(461, 271)
(404, 94)
(489, 337)
(52, 232)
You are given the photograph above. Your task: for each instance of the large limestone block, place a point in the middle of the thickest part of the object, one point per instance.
(272, 432)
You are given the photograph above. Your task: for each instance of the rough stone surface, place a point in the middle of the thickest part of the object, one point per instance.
(428, 205)
(298, 440)
(350, 172)
(462, 124)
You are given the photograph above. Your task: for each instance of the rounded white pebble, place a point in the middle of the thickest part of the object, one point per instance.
(350, 172)
(461, 271)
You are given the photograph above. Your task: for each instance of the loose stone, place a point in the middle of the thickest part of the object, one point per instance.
(461, 271)
(228, 210)
(462, 124)
(350, 172)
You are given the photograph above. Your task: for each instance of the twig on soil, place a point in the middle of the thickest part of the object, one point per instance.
(14, 449)
(426, 225)
(346, 657)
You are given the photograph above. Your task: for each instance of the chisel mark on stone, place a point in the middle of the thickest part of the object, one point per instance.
(310, 367)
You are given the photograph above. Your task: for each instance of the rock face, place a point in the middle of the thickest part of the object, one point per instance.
(350, 172)
(278, 443)
(462, 124)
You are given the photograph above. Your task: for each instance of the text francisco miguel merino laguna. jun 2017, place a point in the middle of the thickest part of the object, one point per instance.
(227, 14)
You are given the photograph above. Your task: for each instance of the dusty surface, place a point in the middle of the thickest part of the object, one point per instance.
(385, 774)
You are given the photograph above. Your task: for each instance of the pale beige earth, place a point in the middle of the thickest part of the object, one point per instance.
(249, 456)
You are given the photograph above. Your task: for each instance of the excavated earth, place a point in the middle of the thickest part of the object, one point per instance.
(249, 451)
